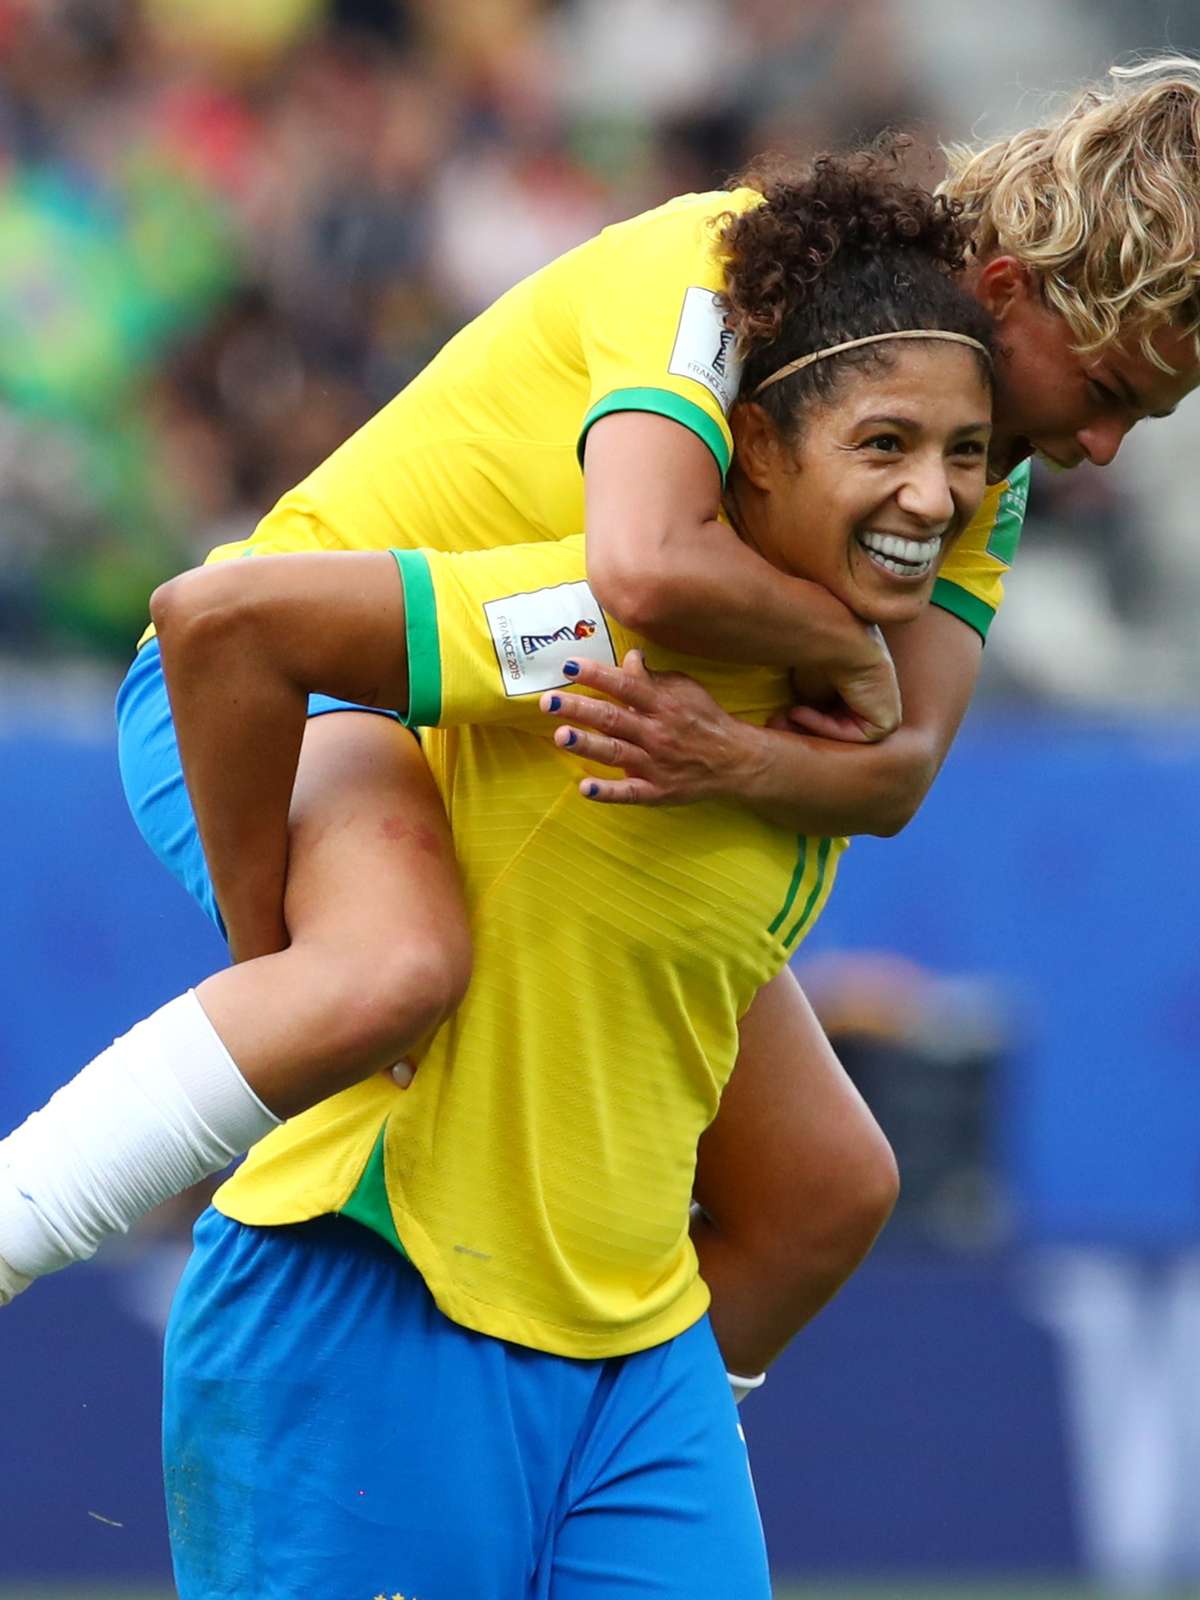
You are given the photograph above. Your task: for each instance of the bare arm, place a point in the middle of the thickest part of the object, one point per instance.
(244, 644)
(676, 744)
(663, 564)
(795, 1179)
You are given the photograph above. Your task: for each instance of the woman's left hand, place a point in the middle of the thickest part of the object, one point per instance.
(671, 739)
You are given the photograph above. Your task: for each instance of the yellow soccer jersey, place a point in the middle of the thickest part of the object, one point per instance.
(539, 1170)
(482, 448)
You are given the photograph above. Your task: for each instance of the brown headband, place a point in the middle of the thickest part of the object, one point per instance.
(871, 338)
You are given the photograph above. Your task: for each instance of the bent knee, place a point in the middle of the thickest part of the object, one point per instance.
(380, 1004)
(410, 992)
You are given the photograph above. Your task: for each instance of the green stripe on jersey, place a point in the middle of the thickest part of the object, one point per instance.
(666, 404)
(793, 887)
(814, 894)
(424, 648)
(976, 613)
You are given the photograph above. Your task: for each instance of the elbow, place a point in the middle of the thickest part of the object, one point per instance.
(897, 800)
(863, 1213)
(195, 611)
(892, 816)
(829, 1240)
(176, 604)
(642, 597)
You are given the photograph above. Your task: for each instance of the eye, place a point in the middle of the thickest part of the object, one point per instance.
(973, 449)
(1102, 394)
(889, 443)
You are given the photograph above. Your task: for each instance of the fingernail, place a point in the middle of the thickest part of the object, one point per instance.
(593, 789)
(571, 668)
(571, 738)
(555, 702)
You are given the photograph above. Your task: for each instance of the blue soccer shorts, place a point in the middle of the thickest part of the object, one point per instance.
(329, 1435)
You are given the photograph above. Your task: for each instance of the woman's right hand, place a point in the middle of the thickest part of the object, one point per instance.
(865, 705)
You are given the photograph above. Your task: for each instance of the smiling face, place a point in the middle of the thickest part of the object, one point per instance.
(1052, 401)
(881, 478)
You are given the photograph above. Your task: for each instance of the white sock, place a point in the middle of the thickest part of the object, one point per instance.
(163, 1107)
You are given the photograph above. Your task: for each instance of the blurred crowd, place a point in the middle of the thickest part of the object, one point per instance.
(231, 229)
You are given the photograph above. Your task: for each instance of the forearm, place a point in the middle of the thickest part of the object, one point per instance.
(243, 646)
(239, 749)
(827, 786)
(757, 1308)
(818, 785)
(710, 595)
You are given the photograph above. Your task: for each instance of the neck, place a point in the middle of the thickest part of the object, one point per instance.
(733, 504)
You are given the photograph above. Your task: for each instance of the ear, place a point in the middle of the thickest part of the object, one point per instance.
(756, 442)
(1003, 284)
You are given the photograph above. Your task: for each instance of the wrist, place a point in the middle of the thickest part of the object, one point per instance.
(741, 1387)
(836, 641)
(750, 763)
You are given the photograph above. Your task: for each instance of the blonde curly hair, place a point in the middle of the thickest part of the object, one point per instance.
(1103, 203)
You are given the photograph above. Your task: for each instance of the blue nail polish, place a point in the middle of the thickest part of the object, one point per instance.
(571, 668)
(593, 790)
(572, 738)
(555, 702)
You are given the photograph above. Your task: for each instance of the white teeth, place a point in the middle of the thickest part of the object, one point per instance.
(912, 552)
(906, 570)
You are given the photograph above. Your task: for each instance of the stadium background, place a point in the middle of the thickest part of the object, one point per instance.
(227, 233)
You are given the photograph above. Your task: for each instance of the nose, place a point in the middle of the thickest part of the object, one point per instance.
(1100, 441)
(926, 494)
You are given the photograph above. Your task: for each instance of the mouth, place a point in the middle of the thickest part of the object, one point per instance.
(900, 557)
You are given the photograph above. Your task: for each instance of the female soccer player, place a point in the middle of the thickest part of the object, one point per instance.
(567, 1350)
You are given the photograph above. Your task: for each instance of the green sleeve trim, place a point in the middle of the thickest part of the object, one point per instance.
(368, 1204)
(424, 646)
(968, 607)
(666, 404)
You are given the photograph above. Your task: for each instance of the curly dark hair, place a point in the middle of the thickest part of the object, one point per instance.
(838, 250)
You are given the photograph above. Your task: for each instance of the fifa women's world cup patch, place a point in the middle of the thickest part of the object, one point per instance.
(705, 348)
(535, 632)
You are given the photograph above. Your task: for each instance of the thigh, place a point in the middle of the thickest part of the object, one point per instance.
(327, 1432)
(370, 842)
(370, 846)
(660, 1502)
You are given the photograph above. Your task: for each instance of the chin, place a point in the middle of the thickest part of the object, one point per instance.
(887, 610)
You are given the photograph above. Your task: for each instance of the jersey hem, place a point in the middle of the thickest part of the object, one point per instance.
(666, 404)
(424, 647)
(967, 607)
(496, 1322)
